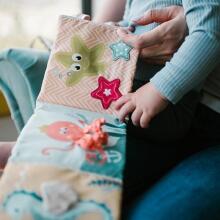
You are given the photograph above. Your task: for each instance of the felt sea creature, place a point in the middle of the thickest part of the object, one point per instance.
(91, 138)
(105, 182)
(107, 91)
(81, 61)
(63, 131)
(120, 50)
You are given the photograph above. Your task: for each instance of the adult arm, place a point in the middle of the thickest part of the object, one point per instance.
(110, 10)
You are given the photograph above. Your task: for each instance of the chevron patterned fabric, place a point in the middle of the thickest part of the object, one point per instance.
(69, 159)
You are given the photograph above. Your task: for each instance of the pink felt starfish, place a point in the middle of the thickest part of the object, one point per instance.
(107, 91)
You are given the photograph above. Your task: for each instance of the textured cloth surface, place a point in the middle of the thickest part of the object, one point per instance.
(73, 142)
(42, 157)
(55, 90)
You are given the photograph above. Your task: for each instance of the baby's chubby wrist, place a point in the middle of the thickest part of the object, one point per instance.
(155, 90)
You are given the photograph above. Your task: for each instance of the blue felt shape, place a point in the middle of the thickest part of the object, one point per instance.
(120, 50)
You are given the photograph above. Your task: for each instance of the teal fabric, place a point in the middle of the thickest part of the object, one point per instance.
(21, 75)
(191, 191)
(62, 153)
(196, 58)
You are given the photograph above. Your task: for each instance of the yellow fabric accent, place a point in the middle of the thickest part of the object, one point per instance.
(3, 106)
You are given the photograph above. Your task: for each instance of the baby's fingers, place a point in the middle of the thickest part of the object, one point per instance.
(136, 116)
(125, 110)
(121, 101)
(145, 119)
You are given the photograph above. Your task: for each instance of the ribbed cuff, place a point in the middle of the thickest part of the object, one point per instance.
(167, 88)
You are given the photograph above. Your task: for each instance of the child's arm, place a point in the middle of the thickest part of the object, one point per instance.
(198, 55)
(196, 58)
(110, 10)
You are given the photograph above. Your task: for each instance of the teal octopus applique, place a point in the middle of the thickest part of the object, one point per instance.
(81, 61)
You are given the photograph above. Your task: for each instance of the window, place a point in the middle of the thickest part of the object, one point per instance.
(21, 21)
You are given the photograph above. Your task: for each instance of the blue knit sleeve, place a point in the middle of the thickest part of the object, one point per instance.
(197, 56)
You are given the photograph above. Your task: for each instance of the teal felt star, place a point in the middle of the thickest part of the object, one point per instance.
(120, 50)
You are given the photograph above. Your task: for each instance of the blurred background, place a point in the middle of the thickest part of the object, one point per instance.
(31, 23)
(21, 21)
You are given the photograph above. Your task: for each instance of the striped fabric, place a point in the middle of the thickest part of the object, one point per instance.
(198, 55)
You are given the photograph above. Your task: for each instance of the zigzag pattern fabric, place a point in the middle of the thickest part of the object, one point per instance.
(98, 37)
(68, 161)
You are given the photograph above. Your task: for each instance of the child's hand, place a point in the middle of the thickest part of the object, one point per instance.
(145, 104)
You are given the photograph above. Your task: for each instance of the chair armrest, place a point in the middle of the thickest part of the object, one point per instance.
(21, 75)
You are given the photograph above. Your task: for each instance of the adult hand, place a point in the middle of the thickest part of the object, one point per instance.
(158, 45)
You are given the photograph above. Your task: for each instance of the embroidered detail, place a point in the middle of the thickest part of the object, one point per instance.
(91, 138)
(105, 182)
(63, 131)
(81, 61)
(113, 156)
(107, 91)
(120, 50)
